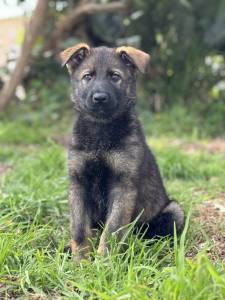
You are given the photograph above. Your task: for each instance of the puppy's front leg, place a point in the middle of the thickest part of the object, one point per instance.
(80, 221)
(122, 198)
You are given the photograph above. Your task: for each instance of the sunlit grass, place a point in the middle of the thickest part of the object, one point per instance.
(34, 227)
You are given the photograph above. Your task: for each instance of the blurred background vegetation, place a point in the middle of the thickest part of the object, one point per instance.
(185, 85)
(181, 103)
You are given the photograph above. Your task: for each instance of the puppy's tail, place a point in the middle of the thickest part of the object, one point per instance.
(163, 224)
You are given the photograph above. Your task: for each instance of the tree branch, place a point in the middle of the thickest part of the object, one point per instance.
(78, 14)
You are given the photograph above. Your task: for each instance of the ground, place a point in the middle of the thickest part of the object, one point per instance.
(34, 225)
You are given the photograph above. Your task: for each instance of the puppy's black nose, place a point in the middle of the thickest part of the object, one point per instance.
(100, 97)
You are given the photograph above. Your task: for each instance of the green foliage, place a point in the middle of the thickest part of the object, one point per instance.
(175, 33)
(185, 40)
(34, 226)
(187, 76)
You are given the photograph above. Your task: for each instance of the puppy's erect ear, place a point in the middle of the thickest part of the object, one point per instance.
(132, 56)
(73, 56)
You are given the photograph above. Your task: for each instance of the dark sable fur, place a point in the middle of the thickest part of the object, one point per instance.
(92, 136)
(113, 174)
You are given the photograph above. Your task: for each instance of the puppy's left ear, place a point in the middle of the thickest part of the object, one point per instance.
(73, 56)
(132, 56)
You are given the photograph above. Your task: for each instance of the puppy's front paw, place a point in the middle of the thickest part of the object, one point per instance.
(102, 248)
(80, 252)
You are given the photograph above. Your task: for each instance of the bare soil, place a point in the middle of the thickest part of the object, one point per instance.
(210, 215)
(213, 146)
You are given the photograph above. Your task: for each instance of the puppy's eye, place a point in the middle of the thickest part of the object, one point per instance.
(87, 77)
(115, 77)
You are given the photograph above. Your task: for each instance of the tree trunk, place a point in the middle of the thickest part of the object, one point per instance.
(32, 32)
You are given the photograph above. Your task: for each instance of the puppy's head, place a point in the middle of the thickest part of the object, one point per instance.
(103, 79)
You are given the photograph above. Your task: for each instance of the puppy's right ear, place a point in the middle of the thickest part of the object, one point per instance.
(73, 56)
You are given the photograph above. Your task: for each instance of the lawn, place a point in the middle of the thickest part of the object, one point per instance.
(34, 227)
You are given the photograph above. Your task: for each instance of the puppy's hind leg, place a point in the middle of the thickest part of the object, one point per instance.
(163, 224)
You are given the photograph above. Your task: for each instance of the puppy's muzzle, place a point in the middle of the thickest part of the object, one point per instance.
(100, 98)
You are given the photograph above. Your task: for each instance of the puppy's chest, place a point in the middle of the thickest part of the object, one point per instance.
(97, 177)
(100, 142)
(94, 137)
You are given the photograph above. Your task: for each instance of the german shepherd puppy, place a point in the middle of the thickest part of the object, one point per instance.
(113, 175)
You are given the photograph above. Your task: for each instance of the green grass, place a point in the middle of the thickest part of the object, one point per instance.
(34, 222)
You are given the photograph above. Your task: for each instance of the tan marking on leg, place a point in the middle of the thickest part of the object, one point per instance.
(82, 251)
(74, 247)
(102, 246)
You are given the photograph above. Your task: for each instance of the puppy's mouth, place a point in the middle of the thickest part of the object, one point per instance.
(101, 109)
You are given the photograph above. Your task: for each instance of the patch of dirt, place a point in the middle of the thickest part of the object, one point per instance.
(7, 292)
(210, 215)
(38, 297)
(4, 168)
(213, 146)
(217, 145)
(62, 140)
